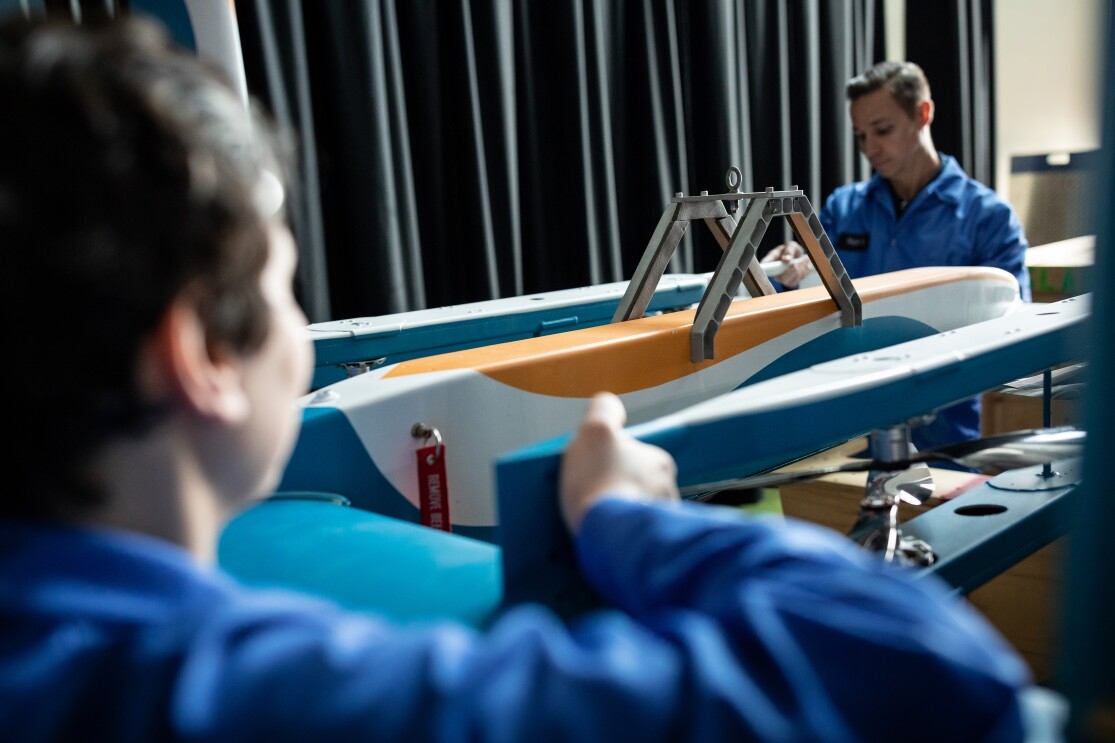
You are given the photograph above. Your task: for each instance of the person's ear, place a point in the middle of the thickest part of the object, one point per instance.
(925, 113)
(203, 379)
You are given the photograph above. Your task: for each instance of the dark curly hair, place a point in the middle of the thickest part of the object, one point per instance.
(129, 173)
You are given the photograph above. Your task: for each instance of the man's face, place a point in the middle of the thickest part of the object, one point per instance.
(885, 133)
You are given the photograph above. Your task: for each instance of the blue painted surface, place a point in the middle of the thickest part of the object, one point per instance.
(394, 346)
(538, 561)
(363, 560)
(974, 548)
(329, 457)
(874, 333)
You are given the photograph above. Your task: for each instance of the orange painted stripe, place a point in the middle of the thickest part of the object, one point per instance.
(635, 355)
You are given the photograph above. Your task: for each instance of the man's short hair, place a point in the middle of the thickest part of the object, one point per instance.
(904, 80)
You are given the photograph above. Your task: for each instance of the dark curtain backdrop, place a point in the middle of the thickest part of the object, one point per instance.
(953, 44)
(458, 150)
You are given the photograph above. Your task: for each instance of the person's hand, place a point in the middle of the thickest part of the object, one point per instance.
(602, 460)
(795, 263)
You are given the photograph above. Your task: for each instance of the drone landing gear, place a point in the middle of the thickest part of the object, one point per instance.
(876, 527)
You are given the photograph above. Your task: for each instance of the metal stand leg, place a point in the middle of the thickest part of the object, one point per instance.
(876, 527)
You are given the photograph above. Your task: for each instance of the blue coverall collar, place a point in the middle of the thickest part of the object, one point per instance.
(103, 562)
(948, 185)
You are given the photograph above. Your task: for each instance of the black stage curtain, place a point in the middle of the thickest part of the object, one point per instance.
(460, 150)
(953, 43)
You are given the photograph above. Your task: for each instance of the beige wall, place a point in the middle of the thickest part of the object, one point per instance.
(1048, 62)
(895, 13)
(1047, 58)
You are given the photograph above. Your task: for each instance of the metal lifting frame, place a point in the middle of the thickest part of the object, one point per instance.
(739, 241)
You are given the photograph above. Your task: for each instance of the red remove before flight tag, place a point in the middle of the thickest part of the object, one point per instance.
(433, 490)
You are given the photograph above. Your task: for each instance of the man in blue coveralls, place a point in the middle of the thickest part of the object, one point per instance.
(141, 215)
(918, 209)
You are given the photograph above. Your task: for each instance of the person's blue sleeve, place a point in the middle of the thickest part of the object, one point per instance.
(1001, 241)
(845, 211)
(732, 630)
(816, 638)
(831, 211)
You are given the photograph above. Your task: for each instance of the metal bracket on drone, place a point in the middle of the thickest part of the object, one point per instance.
(738, 264)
